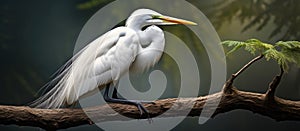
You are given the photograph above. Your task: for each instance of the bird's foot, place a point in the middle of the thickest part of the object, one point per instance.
(144, 102)
(143, 111)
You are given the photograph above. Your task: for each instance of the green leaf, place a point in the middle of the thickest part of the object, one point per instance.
(253, 46)
(290, 49)
(236, 45)
(279, 57)
(284, 53)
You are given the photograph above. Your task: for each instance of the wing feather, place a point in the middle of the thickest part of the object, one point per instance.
(101, 62)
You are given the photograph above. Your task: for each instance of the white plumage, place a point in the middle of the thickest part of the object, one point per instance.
(107, 58)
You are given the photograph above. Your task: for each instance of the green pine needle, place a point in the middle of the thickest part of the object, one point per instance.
(290, 49)
(284, 53)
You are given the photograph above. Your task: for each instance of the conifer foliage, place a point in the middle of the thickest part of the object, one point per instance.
(283, 52)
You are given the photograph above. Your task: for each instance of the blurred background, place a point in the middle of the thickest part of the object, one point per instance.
(37, 37)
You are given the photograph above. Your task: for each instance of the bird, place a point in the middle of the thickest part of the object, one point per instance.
(134, 47)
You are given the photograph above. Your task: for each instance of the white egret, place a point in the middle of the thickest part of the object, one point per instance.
(103, 61)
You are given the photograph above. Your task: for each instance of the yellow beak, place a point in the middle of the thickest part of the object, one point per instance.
(171, 20)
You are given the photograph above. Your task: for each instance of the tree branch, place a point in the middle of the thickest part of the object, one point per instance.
(228, 85)
(273, 85)
(52, 119)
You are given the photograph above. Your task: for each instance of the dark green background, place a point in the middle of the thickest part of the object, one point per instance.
(37, 37)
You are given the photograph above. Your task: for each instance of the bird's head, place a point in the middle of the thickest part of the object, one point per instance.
(144, 17)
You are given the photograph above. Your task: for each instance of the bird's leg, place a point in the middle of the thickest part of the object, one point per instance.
(141, 108)
(115, 92)
(115, 95)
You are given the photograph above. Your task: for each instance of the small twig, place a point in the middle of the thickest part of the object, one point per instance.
(228, 85)
(273, 85)
(247, 65)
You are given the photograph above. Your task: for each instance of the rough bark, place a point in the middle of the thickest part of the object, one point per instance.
(230, 99)
(273, 85)
(52, 119)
